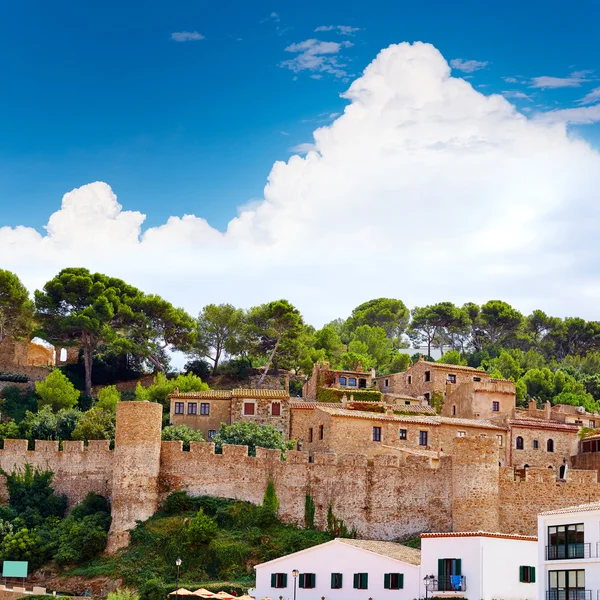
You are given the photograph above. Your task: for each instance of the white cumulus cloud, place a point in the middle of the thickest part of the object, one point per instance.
(575, 79)
(316, 56)
(341, 29)
(424, 189)
(186, 36)
(468, 66)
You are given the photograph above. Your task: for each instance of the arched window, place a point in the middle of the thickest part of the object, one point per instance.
(520, 444)
(550, 445)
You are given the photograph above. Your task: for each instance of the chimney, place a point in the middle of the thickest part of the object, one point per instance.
(287, 383)
(344, 401)
(532, 407)
(548, 411)
(176, 390)
(421, 358)
(359, 367)
(389, 411)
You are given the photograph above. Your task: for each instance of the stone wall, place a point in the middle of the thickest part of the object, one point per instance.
(565, 443)
(475, 399)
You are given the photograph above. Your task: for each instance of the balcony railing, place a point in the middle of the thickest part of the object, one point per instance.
(455, 583)
(569, 595)
(569, 551)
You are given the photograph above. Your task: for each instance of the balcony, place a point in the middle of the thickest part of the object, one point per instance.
(568, 552)
(569, 595)
(455, 583)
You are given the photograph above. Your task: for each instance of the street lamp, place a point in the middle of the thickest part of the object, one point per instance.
(295, 573)
(428, 579)
(178, 563)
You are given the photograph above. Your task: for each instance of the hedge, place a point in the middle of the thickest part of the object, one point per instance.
(334, 395)
(14, 377)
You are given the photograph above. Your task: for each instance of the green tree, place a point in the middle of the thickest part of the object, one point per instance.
(56, 391)
(201, 529)
(86, 308)
(271, 325)
(218, 329)
(108, 397)
(16, 308)
(123, 594)
(538, 326)
(507, 365)
(247, 433)
(499, 321)
(373, 342)
(16, 402)
(95, 424)
(328, 340)
(23, 545)
(399, 361)
(432, 324)
(161, 388)
(452, 357)
(388, 313)
(181, 433)
(353, 361)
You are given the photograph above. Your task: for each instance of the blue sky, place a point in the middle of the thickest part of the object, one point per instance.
(101, 91)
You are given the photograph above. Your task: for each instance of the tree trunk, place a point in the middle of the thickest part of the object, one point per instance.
(262, 377)
(156, 363)
(88, 354)
(216, 360)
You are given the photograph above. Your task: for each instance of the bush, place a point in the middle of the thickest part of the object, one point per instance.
(16, 402)
(198, 367)
(108, 397)
(14, 377)
(247, 433)
(161, 388)
(56, 391)
(80, 540)
(182, 433)
(201, 529)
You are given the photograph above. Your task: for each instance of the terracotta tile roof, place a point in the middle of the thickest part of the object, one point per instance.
(446, 366)
(389, 549)
(303, 405)
(541, 424)
(414, 408)
(420, 419)
(589, 507)
(215, 394)
(508, 536)
(227, 394)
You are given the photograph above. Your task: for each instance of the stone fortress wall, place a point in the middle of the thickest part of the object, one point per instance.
(388, 497)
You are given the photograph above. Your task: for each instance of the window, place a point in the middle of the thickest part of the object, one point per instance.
(310, 435)
(307, 581)
(427, 375)
(569, 585)
(499, 438)
(550, 445)
(476, 379)
(454, 410)
(450, 577)
(409, 379)
(212, 433)
(351, 381)
(179, 408)
(426, 395)
(342, 380)
(192, 408)
(275, 409)
(461, 434)
(205, 408)
(320, 432)
(402, 434)
(520, 444)
(566, 541)
(592, 424)
(451, 378)
(422, 438)
(496, 406)
(387, 384)
(361, 581)
(393, 581)
(407, 402)
(376, 434)
(536, 444)
(278, 580)
(249, 408)
(336, 581)
(362, 383)
(527, 574)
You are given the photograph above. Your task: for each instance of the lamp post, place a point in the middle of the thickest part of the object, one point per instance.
(178, 563)
(428, 579)
(295, 573)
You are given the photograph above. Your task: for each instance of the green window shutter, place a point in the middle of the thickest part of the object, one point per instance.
(301, 581)
(284, 582)
(531, 574)
(313, 580)
(458, 566)
(333, 581)
(356, 580)
(340, 580)
(401, 581)
(365, 581)
(521, 574)
(273, 580)
(440, 569)
(386, 581)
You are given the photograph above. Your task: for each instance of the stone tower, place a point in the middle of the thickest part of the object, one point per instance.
(136, 468)
(475, 484)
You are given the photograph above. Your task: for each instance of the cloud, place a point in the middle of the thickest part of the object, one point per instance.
(303, 148)
(584, 115)
(317, 56)
(424, 189)
(341, 29)
(511, 79)
(516, 95)
(284, 133)
(575, 79)
(186, 36)
(468, 66)
(591, 97)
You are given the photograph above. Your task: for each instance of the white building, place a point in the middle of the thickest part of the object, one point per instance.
(342, 569)
(479, 566)
(569, 553)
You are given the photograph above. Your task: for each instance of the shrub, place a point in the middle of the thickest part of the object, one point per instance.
(360, 395)
(14, 377)
(247, 433)
(182, 433)
(108, 397)
(161, 388)
(178, 502)
(56, 391)
(16, 402)
(80, 540)
(201, 529)
(123, 594)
